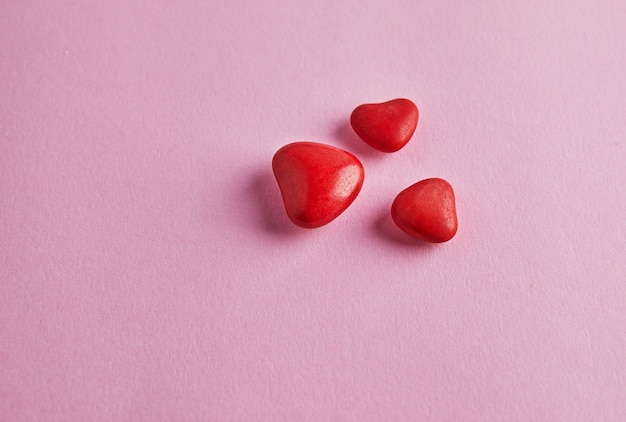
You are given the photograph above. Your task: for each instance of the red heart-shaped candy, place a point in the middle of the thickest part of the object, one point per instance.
(386, 126)
(427, 211)
(317, 182)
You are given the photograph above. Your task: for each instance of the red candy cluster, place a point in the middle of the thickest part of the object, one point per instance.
(318, 182)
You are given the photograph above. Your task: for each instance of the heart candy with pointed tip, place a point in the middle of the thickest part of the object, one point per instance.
(386, 126)
(427, 211)
(317, 181)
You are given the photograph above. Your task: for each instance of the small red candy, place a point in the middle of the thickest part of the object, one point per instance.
(427, 211)
(317, 182)
(386, 126)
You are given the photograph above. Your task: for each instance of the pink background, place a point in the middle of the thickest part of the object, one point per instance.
(148, 270)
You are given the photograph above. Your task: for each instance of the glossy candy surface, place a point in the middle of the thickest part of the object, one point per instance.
(317, 181)
(386, 126)
(427, 211)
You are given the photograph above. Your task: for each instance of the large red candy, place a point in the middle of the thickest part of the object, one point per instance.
(386, 126)
(317, 182)
(426, 211)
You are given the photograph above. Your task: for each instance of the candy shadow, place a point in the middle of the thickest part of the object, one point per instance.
(344, 135)
(385, 227)
(271, 211)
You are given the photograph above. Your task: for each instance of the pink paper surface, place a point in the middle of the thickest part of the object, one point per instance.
(148, 270)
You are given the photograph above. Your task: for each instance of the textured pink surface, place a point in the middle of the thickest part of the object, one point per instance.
(148, 270)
